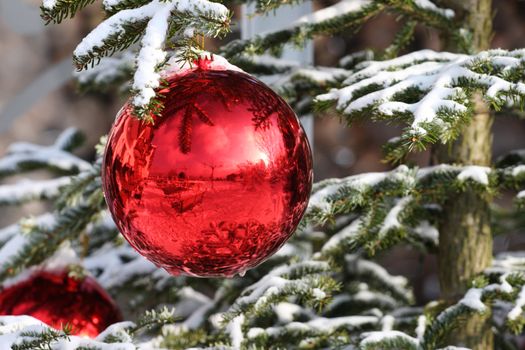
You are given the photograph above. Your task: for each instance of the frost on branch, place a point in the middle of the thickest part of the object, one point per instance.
(430, 91)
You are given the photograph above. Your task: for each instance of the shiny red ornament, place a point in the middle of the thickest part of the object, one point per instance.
(58, 300)
(217, 183)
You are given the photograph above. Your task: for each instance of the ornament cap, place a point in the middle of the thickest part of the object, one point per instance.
(204, 62)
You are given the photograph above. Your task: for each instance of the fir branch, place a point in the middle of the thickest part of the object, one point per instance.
(113, 6)
(377, 277)
(475, 301)
(388, 339)
(155, 318)
(431, 91)
(331, 330)
(304, 280)
(402, 39)
(29, 190)
(426, 12)
(110, 72)
(41, 242)
(23, 157)
(398, 204)
(57, 10)
(154, 23)
(329, 20)
(263, 6)
(39, 340)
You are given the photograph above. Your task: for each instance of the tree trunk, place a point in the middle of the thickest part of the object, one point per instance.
(465, 236)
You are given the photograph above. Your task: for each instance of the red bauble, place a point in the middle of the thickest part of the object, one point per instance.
(217, 183)
(57, 299)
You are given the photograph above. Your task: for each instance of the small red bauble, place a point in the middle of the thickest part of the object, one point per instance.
(58, 300)
(217, 183)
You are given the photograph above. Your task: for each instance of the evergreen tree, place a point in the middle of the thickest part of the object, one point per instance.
(322, 290)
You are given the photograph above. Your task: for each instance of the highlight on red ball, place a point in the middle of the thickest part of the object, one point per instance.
(218, 182)
(61, 301)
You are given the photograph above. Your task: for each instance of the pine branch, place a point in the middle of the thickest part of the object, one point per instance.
(39, 340)
(431, 91)
(319, 332)
(332, 19)
(304, 280)
(29, 190)
(402, 39)
(110, 72)
(39, 242)
(426, 12)
(388, 339)
(263, 6)
(23, 157)
(113, 6)
(397, 205)
(475, 301)
(154, 23)
(57, 10)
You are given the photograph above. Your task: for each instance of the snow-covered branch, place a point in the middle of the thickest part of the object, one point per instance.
(23, 156)
(154, 23)
(430, 90)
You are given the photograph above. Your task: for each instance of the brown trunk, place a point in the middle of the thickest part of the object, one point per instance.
(465, 234)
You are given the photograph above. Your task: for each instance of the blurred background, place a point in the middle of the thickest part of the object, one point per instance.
(38, 99)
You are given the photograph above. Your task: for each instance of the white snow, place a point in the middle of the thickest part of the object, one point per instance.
(49, 4)
(107, 69)
(436, 74)
(286, 312)
(330, 324)
(108, 4)
(376, 337)
(318, 294)
(517, 310)
(518, 170)
(44, 221)
(367, 268)
(115, 26)
(13, 330)
(428, 5)
(21, 153)
(115, 272)
(346, 233)
(472, 300)
(234, 330)
(505, 286)
(427, 232)
(190, 301)
(387, 323)
(392, 218)
(479, 174)
(421, 326)
(117, 329)
(322, 198)
(32, 189)
(215, 62)
(152, 54)
(327, 13)
(319, 324)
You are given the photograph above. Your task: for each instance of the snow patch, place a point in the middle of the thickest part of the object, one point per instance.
(472, 300)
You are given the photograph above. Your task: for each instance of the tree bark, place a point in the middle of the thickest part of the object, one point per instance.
(465, 236)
